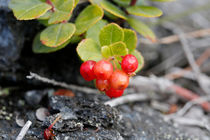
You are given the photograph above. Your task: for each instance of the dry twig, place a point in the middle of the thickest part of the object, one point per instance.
(24, 130)
(127, 98)
(175, 38)
(61, 84)
(204, 56)
(189, 104)
(191, 61)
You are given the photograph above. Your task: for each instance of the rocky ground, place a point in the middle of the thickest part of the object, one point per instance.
(84, 116)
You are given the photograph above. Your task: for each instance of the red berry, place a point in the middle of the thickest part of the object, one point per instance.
(103, 69)
(86, 70)
(119, 80)
(114, 93)
(102, 85)
(129, 63)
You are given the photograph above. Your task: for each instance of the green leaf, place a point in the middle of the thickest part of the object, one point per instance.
(75, 39)
(63, 10)
(87, 18)
(117, 49)
(140, 59)
(142, 28)
(145, 11)
(95, 2)
(28, 9)
(163, 0)
(111, 33)
(76, 2)
(110, 16)
(94, 31)
(59, 16)
(130, 39)
(45, 16)
(38, 47)
(123, 3)
(111, 8)
(57, 34)
(44, 22)
(88, 49)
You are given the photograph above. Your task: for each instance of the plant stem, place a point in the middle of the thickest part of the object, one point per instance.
(133, 2)
(51, 4)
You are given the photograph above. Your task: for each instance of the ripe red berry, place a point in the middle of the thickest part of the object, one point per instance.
(119, 80)
(86, 70)
(103, 69)
(114, 93)
(129, 63)
(102, 85)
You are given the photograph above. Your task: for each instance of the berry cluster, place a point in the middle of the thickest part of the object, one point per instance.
(109, 80)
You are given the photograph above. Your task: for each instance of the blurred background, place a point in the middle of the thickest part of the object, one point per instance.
(174, 85)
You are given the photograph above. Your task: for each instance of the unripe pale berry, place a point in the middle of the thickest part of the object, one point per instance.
(129, 63)
(103, 69)
(119, 80)
(102, 85)
(87, 71)
(114, 93)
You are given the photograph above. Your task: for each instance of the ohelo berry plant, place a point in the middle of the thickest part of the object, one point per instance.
(116, 59)
(99, 41)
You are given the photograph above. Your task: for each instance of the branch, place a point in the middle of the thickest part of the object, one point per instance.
(189, 104)
(191, 61)
(163, 85)
(24, 130)
(175, 38)
(61, 84)
(127, 98)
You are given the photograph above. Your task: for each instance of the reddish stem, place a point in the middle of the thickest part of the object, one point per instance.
(189, 95)
(50, 127)
(51, 4)
(133, 2)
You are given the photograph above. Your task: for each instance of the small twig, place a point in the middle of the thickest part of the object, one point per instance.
(163, 85)
(24, 130)
(61, 84)
(189, 104)
(175, 38)
(191, 60)
(203, 57)
(189, 95)
(127, 98)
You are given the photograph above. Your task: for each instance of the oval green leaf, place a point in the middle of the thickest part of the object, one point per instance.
(145, 11)
(110, 34)
(57, 34)
(117, 49)
(38, 47)
(28, 9)
(94, 31)
(63, 10)
(87, 18)
(140, 59)
(59, 16)
(142, 28)
(111, 8)
(45, 16)
(88, 49)
(130, 39)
